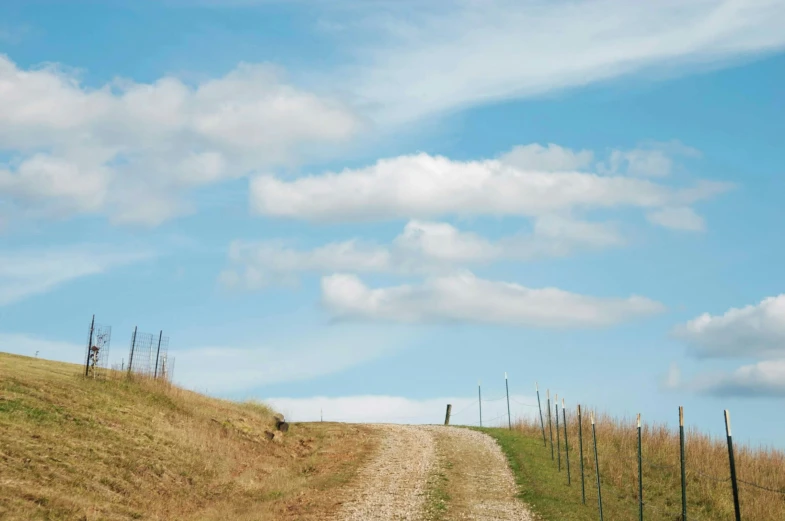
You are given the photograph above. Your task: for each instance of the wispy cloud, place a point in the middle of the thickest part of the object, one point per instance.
(28, 345)
(461, 53)
(466, 298)
(228, 369)
(422, 248)
(24, 273)
(398, 409)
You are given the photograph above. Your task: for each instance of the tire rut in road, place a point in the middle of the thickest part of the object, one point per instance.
(392, 486)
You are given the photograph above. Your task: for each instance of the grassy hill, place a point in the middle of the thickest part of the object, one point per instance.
(76, 448)
(709, 493)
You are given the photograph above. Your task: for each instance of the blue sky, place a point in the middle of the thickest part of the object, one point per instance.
(365, 208)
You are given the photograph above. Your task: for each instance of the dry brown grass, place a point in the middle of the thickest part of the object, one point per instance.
(76, 448)
(708, 483)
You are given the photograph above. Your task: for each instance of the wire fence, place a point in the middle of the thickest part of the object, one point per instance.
(632, 456)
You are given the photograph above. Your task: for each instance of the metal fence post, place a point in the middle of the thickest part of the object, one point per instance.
(683, 466)
(550, 424)
(131, 356)
(596, 464)
(157, 354)
(566, 445)
(734, 484)
(507, 386)
(479, 390)
(580, 448)
(558, 436)
(640, 471)
(539, 406)
(89, 345)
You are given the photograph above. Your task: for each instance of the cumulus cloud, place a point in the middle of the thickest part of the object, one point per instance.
(422, 248)
(398, 409)
(458, 54)
(756, 330)
(423, 186)
(679, 218)
(24, 273)
(466, 298)
(759, 380)
(551, 158)
(133, 150)
(763, 379)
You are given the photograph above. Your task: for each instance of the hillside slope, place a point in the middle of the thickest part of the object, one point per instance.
(76, 448)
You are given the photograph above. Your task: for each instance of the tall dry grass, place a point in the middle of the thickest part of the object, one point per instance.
(119, 448)
(709, 490)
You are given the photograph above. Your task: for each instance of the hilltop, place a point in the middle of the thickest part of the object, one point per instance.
(114, 448)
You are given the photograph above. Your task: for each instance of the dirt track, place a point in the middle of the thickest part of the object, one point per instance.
(397, 483)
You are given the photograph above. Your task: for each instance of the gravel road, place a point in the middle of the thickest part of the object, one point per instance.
(393, 485)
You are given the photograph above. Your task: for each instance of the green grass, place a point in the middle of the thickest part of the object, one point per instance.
(545, 489)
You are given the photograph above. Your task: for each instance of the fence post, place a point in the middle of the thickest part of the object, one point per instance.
(566, 445)
(580, 447)
(640, 471)
(447, 416)
(596, 464)
(131, 356)
(89, 345)
(479, 390)
(157, 353)
(734, 485)
(683, 466)
(539, 406)
(550, 423)
(558, 436)
(507, 386)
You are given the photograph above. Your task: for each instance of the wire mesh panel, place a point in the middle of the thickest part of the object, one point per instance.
(166, 367)
(140, 358)
(97, 355)
(161, 352)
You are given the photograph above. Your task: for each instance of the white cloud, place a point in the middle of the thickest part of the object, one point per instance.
(457, 54)
(755, 330)
(397, 409)
(677, 218)
(423, 186)
(466, 298)
(27, 345)
(226, 370)
(552, 158)
(422, 248)
(30, 272)
(762, 379)
(133, 150)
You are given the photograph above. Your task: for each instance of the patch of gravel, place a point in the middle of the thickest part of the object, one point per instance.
(481, 485)
(391, 487)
